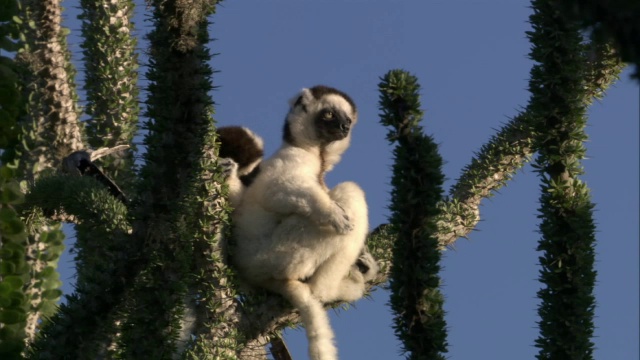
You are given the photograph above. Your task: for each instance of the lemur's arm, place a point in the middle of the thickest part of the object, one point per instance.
(240, 155)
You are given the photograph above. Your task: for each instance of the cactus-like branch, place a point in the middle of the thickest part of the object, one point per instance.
(417, 181)
(111, 65)
(49, 129)
(213, 297)
(179, 131)
(103, 242)
(52, 129)
(507, 152)
(567, 228)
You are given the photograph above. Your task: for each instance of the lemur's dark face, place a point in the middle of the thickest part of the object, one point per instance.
(332, 124)
(320, 116)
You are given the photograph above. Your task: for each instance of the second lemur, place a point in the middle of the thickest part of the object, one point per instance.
(293, 234)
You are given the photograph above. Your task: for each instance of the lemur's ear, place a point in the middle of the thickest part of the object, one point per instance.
(301, 99)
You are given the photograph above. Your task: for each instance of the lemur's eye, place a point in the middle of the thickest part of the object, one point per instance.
(328, 115)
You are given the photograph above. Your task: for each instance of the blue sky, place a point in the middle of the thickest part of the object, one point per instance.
(471, 60)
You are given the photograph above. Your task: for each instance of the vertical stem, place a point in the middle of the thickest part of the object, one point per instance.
(51, 128)
(179, 129)
(417, 189)
(558, 89)
(105, 256)
(111, 65)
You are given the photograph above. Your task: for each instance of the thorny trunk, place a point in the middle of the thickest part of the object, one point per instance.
(51, 129)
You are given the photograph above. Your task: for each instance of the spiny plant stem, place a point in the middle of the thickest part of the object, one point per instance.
(567, 272)
(417, 189)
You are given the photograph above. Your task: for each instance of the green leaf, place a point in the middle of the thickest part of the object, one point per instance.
(6, 174)
(7, 268)
(46, 272)
(5, 254)
(5, 289)
(16, 249)
(55, 237)
(6, 333)
(17, 299)
(53, 294)
(44, 236)
(14, 282)
(12, 316)
(5, 301)
(12, 228)
(52, 284)
(11, 348)
(10, 193)
(7, 214)
(47, 308)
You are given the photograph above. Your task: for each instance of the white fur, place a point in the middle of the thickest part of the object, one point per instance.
(235, 186)
(298, 238)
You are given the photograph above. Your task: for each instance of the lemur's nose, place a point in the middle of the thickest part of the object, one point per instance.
(345, 125)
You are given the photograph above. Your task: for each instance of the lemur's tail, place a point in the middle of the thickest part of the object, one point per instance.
(316, 322)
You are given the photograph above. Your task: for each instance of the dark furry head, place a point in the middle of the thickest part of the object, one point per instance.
(319, 116)
(241, 145)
